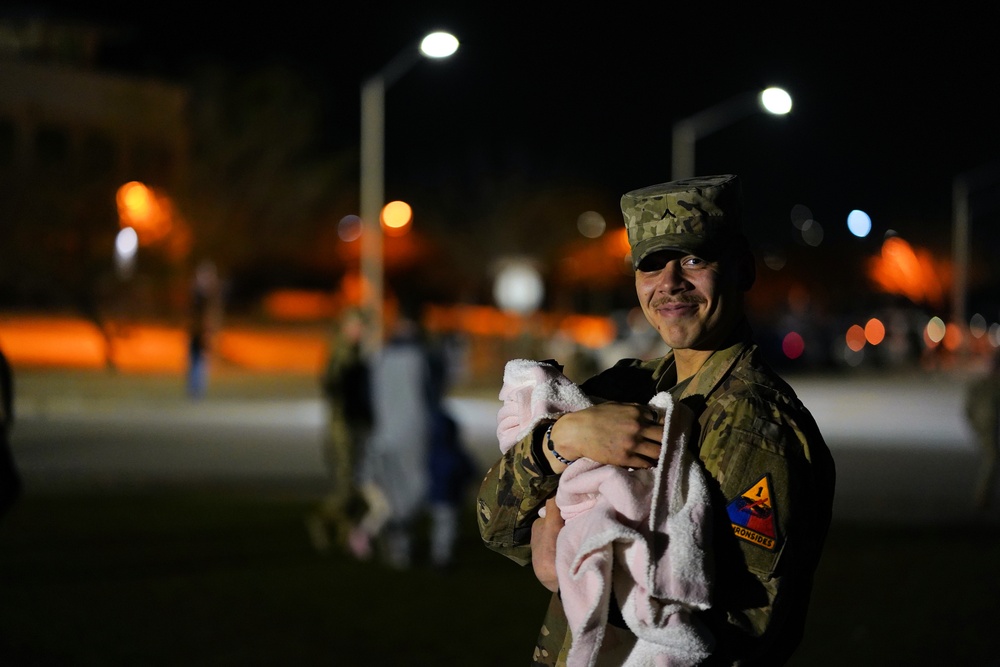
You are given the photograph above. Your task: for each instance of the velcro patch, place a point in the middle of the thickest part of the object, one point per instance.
(753, 516)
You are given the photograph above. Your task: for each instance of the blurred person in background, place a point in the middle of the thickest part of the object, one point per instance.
(10, 479)
(450, 467)
(347, 391)
(205, 320)
(982, 408)
(770, 476)
(394, 470)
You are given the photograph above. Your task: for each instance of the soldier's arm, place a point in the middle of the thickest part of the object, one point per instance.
(772, 521)
(544, 534)
(516, 487)
(511, 494)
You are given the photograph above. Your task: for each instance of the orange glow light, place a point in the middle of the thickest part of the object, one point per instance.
(590, 331)
(290, 304)
(52, 341)
(139, 207)
(910, 272)
(874, 331)
(135, 202)
(287, 351)
(597, 262)
(396, 217)
(855, 338)
(587, 330)
(621, 242)
(952, 337)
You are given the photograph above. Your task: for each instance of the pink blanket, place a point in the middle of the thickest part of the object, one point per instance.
(640, 534)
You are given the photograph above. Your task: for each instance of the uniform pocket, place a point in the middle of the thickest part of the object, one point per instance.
(755, 484)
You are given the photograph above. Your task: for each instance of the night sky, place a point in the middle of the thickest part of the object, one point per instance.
(888, 108)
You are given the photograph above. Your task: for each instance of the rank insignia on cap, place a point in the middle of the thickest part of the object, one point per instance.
(752, 515)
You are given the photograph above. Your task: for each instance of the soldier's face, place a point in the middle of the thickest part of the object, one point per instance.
(692, 302)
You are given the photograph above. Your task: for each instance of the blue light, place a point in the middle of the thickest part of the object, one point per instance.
(859, 223)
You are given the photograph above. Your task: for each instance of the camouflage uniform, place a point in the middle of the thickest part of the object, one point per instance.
(695, 215)
(345, 386)
(10, 478)
(752, 431)
(772, 498)
(982, 407)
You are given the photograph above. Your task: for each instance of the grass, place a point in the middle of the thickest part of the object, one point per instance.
(228, 577)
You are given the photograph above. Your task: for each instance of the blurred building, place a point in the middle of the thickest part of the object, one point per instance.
(70, 136)
(128, 129)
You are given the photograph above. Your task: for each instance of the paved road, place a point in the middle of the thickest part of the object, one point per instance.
(903, 450)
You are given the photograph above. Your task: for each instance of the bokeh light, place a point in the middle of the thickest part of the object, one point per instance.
(439, 45)
(910, 272)
(855, 338)
(126, 243)
(145, 211)
(953, 336)
(874, 331)
(977, 326)
(774, 258)
(812, 233)
(126, 247)
(518, 287)
(135, 202)
(776, 100)
(859, 223)
(853, 358)
(396, 217)
(935, 329)
(793, 345)
(349, 228)
(800, 214)
(589, 331)
(591, 224)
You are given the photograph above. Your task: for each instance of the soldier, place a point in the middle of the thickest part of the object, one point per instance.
(771, 476)
(346, 388)
(982, 408)
(10, 478)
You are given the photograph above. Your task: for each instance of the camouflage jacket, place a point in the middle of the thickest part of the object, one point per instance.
(772, 499)
(982, 407)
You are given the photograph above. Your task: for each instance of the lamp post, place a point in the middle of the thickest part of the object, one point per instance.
(434, 45)
(688, 130)
(964, 186)
(960, 254)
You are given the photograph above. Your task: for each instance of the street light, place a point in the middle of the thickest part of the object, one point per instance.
(126, 248)
(963, 187)
(688, 130)
(435, 45)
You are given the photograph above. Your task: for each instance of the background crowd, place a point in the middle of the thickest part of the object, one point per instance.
(393, 452)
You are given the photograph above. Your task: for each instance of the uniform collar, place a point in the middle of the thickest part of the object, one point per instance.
(715, 368)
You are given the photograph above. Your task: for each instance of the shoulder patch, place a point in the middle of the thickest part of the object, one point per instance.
(753, 516)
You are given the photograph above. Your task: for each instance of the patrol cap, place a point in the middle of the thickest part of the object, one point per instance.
(693, 215)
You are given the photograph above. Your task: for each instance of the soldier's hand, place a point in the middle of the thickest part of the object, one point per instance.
(544, 532)
(622, 434)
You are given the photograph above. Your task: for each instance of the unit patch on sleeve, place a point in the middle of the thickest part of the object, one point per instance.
(752, 515)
